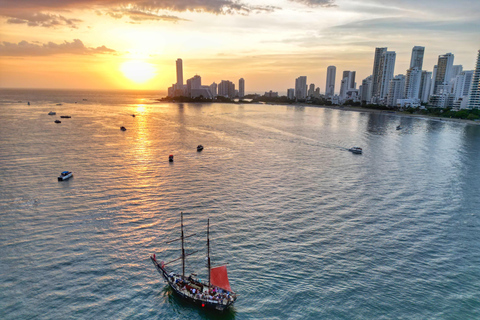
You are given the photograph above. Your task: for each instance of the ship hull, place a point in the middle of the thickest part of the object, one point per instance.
(219, 305)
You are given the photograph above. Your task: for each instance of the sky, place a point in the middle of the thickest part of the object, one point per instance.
(116, 44)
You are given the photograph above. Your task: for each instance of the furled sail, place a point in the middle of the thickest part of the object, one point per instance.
(219, 277)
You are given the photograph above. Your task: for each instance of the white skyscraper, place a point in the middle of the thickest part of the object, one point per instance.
(366, 90)
(241, 88)
(456, 70)
(412, 83)
(301, 88)
(388, 68)
(416, 60)
(425, 86)
(396, 89)
(462, 84)
(330, 86)
(474, 96)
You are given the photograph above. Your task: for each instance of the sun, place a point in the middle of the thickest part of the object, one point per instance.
(138, 71)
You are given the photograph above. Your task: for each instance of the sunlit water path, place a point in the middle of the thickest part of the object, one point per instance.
(309, 230)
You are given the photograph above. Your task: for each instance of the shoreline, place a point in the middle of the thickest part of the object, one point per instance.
(400, 113)
(348, 108)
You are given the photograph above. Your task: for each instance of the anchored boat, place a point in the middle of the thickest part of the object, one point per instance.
(215, 294)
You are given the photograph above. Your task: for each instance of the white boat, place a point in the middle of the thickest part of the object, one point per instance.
(65, 175)
(356, 150)
(399, 127)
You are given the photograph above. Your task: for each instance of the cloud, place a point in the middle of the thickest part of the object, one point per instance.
(316, 3)
(20, 12)
(42, 20)
(138, 16)
(25, 48)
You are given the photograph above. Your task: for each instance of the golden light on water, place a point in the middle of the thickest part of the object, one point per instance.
(138, 71)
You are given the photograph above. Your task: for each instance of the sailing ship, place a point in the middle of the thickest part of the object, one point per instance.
(214, 294)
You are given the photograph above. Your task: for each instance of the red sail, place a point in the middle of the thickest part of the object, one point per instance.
(219, 278)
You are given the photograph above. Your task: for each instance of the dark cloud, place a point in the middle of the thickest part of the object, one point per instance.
(25, 48)
(20, 12)
(317, 3)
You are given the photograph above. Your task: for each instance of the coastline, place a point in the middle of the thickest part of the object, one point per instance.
(399, 113)
(344, 108)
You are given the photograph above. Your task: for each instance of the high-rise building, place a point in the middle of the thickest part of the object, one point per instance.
(412, 83)
(416, 61)
(387, 63)
(179, 73)
(226, 89)
(396, 89)
(330, 86)
(311, 90)
(350, 76)
(474, 96)
(366, 89)
(425, 86)
(241, 88)
(301, 88)
(377, 71)
(291, 94)
(444, 71)
(344, 88)
(462, 84)
(193, 83)
(456, 70)
(213, 89)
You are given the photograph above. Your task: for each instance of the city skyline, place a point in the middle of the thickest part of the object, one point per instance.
(112, 45)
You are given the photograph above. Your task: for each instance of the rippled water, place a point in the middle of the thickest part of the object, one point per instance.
(309, 230)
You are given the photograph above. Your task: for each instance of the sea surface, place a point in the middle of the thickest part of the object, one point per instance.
(308, 229)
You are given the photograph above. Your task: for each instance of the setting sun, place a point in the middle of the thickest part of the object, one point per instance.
(138, 71)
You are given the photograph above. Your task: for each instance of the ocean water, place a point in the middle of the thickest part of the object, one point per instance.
(308, 229)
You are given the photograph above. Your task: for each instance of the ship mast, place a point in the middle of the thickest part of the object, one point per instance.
(183, 249)
(208, 250)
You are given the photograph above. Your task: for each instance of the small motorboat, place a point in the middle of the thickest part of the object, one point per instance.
(28, 102)
(170, 158)
(399, 127)
(65, 175)
(52, 113)
(65, 117)
(199, 147)
(123, 128)
(133, 115)
(356, 150)
(58, 121)
(59, 104)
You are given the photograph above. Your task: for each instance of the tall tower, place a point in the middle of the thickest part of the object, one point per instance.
(474, 96)
(330, 86)
(387, 63)
(179, 73)
(301, 88)
(417, 57)
(412, 83)
(444, 71)
(241, 88)
(377, 71)
(396, 88)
